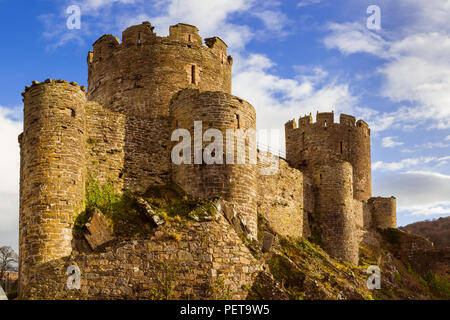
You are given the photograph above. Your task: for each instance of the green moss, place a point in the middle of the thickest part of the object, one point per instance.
(416, 276)
(124, 214)
(438, 284)
(397, 276)
(367, 257)
(218, 290)
(172, 203)
(119, 208)
(246, 287)
(165, 276)
(288, 275)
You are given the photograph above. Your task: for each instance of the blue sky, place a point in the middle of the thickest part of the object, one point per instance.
(290, 58)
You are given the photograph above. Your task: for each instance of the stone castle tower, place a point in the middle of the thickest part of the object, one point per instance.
(139, 91)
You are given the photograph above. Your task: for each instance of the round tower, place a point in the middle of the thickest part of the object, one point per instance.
(51, 174)
(311, 143)
(384, 212)
(139, 76)
(333, 182)
(232, 175)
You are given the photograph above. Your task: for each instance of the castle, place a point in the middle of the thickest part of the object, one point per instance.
(139, 91)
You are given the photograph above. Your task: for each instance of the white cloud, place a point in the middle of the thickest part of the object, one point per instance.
(447, 138)
(409, 163)
(98, 4)
(9, 219)
(352, 38)
(306, 3)
(416, 71)
(388, 142)
(277, 99)
(211, 17)
(418, 193)
(442, 208)
(9, 171)
(10, 160)
(274, 20)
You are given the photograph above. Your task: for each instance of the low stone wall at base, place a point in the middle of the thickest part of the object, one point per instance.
(186, 260)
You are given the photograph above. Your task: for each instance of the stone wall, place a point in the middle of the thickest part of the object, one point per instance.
(334, 210)
(105, 135)
(207, 261)
(310, 143)
(139, 76)
(384, 212)
(235, 183)
(280, 200)
(52, 172)
(147, 152)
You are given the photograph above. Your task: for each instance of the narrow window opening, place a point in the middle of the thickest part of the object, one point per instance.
(325, 123)
(238, 122)
(189, 38)
(320, 179)
(139, 38)
(193, 74)
(73, 113)
(342, 148)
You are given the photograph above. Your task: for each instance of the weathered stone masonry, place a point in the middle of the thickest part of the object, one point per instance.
(140, 90)
(337, 158)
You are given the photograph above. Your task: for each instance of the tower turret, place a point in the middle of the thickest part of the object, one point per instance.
(138, 78)
(140, 75)
(311, 143)
(51, 173)
(334, 209)
(234, 182)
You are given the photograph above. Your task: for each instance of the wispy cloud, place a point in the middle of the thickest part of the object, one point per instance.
(278, 99)
(418, 193)
(306, 3)
(441, 208)
(350, 38)
(410, 163)
(388, 142)
(211, 17)
(416, 71)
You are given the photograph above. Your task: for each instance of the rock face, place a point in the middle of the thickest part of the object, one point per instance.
(98, 231)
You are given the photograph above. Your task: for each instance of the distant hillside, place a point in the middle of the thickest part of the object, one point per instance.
(437, 231)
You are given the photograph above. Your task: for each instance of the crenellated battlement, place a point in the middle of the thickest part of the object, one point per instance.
(326, 119)
(310, 142)
(144, 70)
(35, 84)
(143, 34)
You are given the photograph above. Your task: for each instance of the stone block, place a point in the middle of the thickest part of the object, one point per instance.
(98, 231)
(146, 210)
(267, 242)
